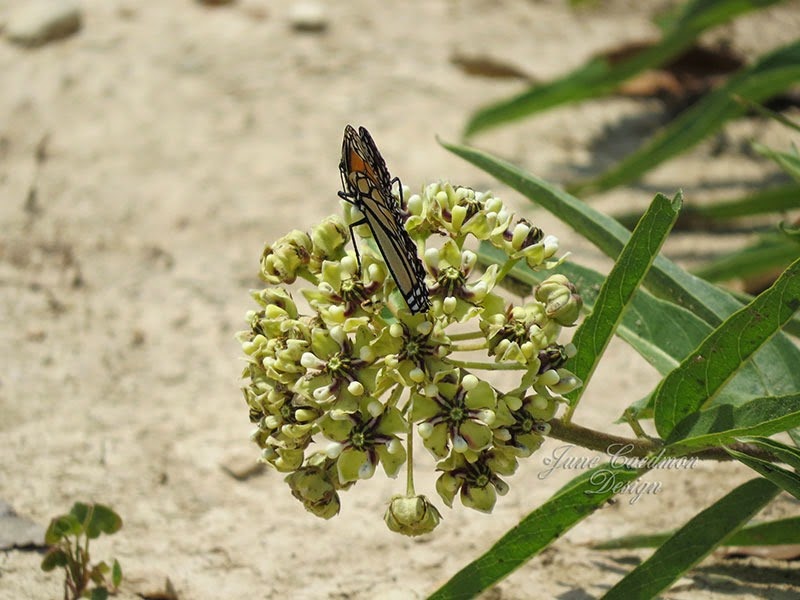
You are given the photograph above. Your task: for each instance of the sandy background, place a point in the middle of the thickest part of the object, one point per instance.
(177, 140)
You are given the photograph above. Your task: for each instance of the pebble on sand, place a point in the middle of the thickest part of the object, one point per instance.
(308, 16)
(37, 22)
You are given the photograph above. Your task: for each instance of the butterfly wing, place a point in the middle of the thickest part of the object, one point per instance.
(368, 185)
(398, 250)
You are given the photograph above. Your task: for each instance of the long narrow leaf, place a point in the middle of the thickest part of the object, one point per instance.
(779, 198)
(570, 505)
(792, 325)
(722, 424)
(716, 360)
(770, 114)
(773, 251)
(599, 77)
(771, 533)
(783, 478)
(694, 541)
(788, 454)
(632, 265)
(776, 363)
(788, 161)
(772, 74)
(775, 199)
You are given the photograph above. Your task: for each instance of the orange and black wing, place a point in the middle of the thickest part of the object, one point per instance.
(368, 185)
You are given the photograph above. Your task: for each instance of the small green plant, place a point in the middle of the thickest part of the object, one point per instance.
(68, 536)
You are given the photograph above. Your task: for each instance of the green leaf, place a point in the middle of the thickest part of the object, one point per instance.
(594, 334)
(788, 161)
(700, 376)
(54, 558)
(116, 574)
(98, 573)
(81, 511)
(722, 424)
(770, 114)
(788, 454)
(61, 527)
(599, 77)
(103, 520)
(774, 251)
(779, 198)
(771, 533)
(785, 479)
(775, 199)
(774, 73)
(99, 593)
(694, 541)
(792, 326)
(774, 366)
(570, 505)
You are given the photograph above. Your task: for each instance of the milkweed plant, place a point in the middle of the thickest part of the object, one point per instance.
(348, 385)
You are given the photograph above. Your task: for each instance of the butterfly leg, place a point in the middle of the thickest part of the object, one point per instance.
(344, 196)
(353, 237)
(399, 191)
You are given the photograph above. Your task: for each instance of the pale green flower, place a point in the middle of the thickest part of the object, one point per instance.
(365, 438)
(339, 368)
(476, 481)
(453, 294)
(346, 297)
(413, 349)
(457, 415)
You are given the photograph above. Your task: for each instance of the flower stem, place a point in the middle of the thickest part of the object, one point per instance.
(634, 424)
(486, 366)
(468, 347)
(641, 448)
(394, 396)
(410, 462)
(469, 335)
(506, 269)
(308, 276)
(597, 440)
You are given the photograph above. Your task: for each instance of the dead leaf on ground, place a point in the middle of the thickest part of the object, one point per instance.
(681, 81)
(479, 65)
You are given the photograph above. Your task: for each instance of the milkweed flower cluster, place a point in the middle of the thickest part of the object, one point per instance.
(344, 388)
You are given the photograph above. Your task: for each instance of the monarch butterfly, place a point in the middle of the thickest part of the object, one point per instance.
(367, 185)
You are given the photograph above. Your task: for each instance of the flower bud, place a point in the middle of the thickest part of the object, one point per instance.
(411, 515)
(561, 300)
(566, 382)
(311, 487)
(281, 261)
(329, 237)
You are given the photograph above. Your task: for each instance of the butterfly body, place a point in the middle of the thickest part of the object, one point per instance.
(368, 186)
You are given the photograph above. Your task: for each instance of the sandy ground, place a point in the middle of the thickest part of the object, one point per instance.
(177, 140)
